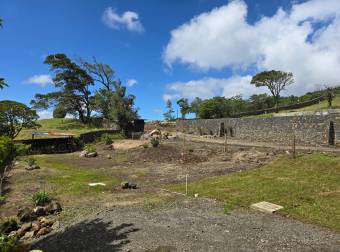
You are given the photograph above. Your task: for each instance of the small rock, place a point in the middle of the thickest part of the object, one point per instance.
(56, 225)
(32, 167)
(39, 211)
(35, 226)
(124, 185)
(83, 153)
(46, 222)
(26, 226)
(44, 231)
(53, 207)
(26, 214)
(29, 235)
(108, 156)
(92, 155)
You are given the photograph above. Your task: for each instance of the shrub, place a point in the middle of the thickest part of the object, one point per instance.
(107, 139)
(191, 150)
(154, 142)
(22, 149)
(7, 243)
(31, 161)
(41, 198)
(145, 146)
(90, 148)
(2, 199)
(7, 152)
(8, 226)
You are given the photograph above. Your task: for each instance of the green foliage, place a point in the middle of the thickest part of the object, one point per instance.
(195, 106)
(8, 226)
(90, 148)
(2, 83)
(7, 244)
(216, 107)
(22, 149)
(2, 199)
(145, 146)
(154, 142)
(41, 198)
(15, 116)
(168, 115)
(7, 152)
(275, 81)
(31, 161)
(107, 139)
(184, 106)
(59, 111)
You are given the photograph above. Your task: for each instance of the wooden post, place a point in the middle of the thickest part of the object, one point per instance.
(294, 146)
(225, 141)
(186, 184)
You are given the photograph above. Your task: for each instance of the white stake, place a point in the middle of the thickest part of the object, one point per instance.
(186, 184)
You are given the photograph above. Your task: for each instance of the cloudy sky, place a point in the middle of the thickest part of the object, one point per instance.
(172, 48)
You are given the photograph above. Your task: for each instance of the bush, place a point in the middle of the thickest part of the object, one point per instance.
(90, 148)
(2, 199)
(41, 198)
(7, 152)
(7, 243)
(145, 146)
(154, 142)
(107, 139)
(31, 161)
(22, 149)
(8, 226)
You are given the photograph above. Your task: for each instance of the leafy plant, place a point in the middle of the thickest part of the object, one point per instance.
(154, 142)
(90, 148)
(107, 139)
(31, 161)
(41, 198)
(8, 226)
(7, 243)
(22, 149)
(145, 146)
(2, 199)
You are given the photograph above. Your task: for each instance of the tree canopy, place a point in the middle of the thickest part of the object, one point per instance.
(275, 81)
(169, 114)
(184, 106)
(15, 116)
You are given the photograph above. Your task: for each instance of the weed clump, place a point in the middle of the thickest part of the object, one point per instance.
(41, 198)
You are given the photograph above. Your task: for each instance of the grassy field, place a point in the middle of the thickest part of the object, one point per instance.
(58, 125)
(308, 187)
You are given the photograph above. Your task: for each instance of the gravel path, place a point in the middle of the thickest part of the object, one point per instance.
(189, 225)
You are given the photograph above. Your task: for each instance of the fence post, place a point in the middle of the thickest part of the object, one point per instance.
(294, 145)
(225, 141)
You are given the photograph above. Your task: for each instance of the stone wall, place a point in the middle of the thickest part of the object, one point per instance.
(309, 129)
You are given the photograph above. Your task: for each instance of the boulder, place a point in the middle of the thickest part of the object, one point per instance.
(155, 132)
(36, 226)
(108, 156)
(26, 214)
(26, 226)
(55, 225)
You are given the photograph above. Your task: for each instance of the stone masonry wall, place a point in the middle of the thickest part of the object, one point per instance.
(310, 130)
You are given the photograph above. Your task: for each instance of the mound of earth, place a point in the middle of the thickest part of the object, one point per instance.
(251, 156)
(169, 154)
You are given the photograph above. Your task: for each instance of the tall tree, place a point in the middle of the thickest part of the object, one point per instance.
(184, 106)
(275, 81)
(74, 83)
(168, 115)
(195, 106)
(330, 94)
(15, 116)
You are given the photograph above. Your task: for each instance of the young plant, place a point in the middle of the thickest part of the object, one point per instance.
(7, 243)
(41, 198)
(31, 161)
(107, 139)
(154, 142)
(90, 148)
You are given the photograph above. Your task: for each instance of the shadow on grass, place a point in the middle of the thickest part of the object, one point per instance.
(94, 235)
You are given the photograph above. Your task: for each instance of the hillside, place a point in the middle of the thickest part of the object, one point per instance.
(58, 125)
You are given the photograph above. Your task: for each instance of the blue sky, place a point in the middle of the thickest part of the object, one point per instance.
(174, 48)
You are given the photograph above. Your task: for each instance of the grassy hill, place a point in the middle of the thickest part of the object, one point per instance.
(58, 125)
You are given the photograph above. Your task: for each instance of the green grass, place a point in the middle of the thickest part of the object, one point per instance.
(59, 125)
(317, 107)
(68, 179)
(308, 188)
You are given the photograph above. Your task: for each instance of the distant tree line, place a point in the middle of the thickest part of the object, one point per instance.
(220, 107)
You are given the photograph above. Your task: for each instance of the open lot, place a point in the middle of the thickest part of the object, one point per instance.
(307, 187)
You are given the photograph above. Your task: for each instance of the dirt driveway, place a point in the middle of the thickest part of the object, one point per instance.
(189, 225)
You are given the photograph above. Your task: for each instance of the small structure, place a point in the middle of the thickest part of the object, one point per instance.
(266, 207)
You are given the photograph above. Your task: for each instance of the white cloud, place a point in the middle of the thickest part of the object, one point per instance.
(303, 40)
(210, 87)
(131, 82)
(41, 80)
(128, 20)
(45, 114)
